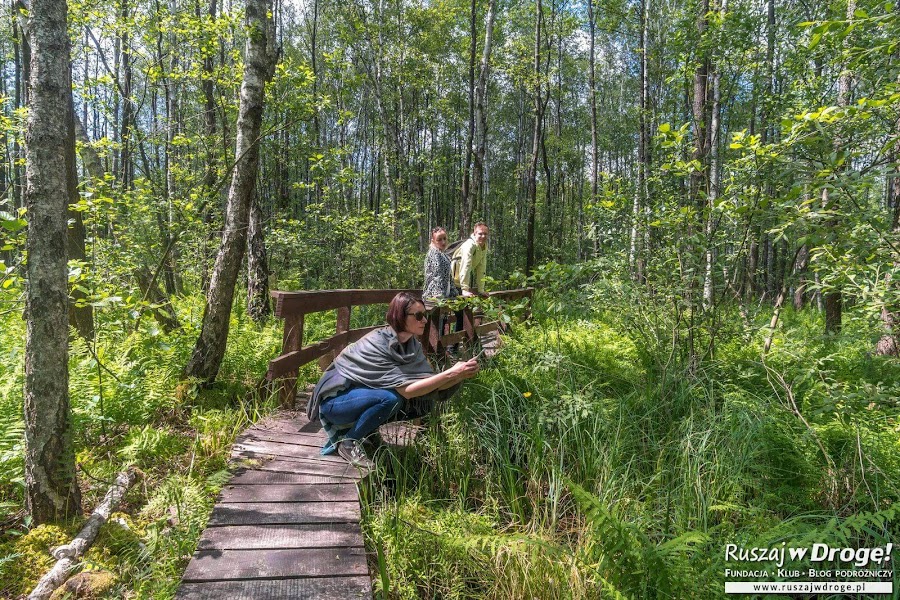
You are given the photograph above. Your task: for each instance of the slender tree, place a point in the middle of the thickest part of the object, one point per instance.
(833, 299)
(51, 489)
(540, 104)
(481, 124)
(592, 96)
(259, 65)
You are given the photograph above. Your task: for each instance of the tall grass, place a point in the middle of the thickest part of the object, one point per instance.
(605, 470)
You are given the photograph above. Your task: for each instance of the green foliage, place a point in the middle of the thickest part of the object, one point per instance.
(149, 445)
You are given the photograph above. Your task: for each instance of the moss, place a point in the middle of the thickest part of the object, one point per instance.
(29, 557)
(87, 585)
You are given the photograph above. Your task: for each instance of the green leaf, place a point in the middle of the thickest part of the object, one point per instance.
(814, 40)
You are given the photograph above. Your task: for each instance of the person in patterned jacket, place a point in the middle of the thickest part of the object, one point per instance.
(438, 279)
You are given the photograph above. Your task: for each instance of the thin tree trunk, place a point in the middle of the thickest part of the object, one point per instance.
(640, 198)
(833, 299)
(531, 177)
(466, 217)
(258, 306)
(162, 309)
(210, 177)
(889, 344)
(709, 230)
(51, 490)
(592, 85)
(259, 64)
(479, 166)
(128, 108)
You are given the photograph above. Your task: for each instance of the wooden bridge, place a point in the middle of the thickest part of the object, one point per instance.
(287, 524)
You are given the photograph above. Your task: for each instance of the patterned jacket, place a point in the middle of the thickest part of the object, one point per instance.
(438, 281)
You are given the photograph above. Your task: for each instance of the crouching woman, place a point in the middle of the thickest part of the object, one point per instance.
(383, 375)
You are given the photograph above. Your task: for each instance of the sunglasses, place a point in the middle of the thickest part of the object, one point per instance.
(419, 315)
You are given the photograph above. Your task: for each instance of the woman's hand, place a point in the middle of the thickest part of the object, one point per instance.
(465, 369)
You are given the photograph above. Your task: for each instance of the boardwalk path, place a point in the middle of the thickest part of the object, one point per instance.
(287, 526)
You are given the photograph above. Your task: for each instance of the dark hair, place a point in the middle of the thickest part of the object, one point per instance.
(399, 306)
(436, 231)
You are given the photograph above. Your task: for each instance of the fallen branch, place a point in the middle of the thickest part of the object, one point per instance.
(69, 555)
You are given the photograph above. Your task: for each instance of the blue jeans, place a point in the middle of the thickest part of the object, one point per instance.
(365, 408)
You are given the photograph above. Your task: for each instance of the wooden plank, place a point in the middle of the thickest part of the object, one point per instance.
(254, 477)
(259, 537)
(263, 513)
(332, 588)
(286, 427)
(453, 338)
(294, 437)
(290, 464)
(289, 493)
(295, 424)
(487, 327)
(286, 451)
(215, 565)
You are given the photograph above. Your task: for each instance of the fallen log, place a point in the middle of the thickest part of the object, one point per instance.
(69, 555)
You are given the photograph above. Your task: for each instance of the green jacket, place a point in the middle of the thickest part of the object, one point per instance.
(469, 262)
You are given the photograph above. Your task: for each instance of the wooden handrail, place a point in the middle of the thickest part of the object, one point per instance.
(292, 303)
(293, 306)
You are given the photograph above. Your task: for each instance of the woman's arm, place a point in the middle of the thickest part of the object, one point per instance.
(440, 381)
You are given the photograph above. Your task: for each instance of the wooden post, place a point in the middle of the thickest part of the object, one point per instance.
(469, 324)
(343, 321)
(291, 342)
(343, 326)
(432, 334)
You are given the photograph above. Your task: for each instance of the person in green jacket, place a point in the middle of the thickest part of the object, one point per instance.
(469, 262)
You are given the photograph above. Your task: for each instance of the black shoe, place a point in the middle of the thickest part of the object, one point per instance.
(352, 451)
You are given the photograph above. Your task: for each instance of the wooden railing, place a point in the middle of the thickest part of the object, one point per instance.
(294, 306)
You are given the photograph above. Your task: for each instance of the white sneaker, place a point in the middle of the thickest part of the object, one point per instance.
(352, 451)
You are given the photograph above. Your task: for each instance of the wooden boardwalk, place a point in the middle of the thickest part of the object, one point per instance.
(285, 526)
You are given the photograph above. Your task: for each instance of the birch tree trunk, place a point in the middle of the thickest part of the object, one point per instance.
(50, 487)
(478, 167)
(259, 64)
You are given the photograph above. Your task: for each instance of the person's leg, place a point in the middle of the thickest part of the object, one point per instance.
(368, 408)
(459, 320)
